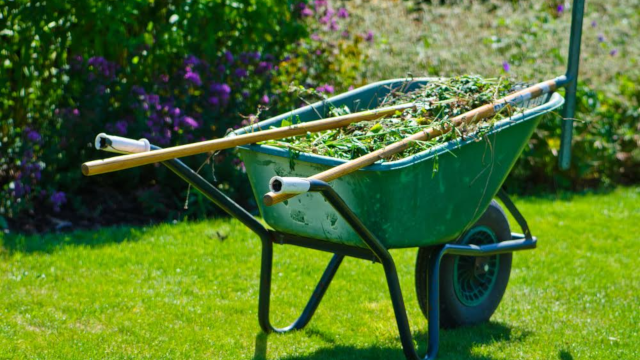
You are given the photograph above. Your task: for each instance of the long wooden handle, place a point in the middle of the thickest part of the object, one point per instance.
(132, 160)
(477, 114)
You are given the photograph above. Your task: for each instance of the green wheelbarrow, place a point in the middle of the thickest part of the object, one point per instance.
(464, 238)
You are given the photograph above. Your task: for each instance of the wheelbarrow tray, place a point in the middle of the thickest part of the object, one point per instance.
(422, 200)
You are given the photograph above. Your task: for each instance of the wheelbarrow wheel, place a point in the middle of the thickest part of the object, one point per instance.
(471, 288)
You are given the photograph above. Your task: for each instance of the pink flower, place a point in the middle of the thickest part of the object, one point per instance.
(343, 13)
(190, 121)
(325, 88)
(369, 36)
(506, 66)
(333, 26)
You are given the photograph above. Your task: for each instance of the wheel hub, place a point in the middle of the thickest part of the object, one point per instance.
(474, 277)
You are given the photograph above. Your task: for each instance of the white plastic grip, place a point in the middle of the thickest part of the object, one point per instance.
(289, 185)
(121, 145)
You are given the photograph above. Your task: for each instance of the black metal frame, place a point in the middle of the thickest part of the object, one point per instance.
(376, 252)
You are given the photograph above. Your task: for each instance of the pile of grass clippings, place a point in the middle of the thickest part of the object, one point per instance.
(440, 100)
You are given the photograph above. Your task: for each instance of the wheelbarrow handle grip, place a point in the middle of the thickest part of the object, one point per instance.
(475, 115)
(133, 160)
(121, 145)
(289, 185)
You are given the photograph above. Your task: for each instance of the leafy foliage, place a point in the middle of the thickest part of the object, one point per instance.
(172, 71)
(437, 103)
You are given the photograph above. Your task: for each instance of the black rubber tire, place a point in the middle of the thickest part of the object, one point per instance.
(454, 313)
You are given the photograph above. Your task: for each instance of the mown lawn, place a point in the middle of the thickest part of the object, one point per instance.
(190, 291)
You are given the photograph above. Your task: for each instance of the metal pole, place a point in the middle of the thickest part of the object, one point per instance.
(569, 109)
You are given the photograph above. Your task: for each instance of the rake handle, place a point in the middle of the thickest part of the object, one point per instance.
(133, 160)
(469, 117)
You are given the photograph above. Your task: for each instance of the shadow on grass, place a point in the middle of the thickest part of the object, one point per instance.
(48, 243)
(454, 344)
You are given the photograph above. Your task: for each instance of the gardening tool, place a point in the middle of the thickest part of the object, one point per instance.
(128, 161)
(439, 200)
(279, 194)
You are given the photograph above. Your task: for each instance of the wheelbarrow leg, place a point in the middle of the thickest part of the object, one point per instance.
(400, 311)
(523, 242)
(235, 210)
(265, 291)
(391, 274)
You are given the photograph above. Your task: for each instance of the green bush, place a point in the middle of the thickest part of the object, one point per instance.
(606, 143)
(170, 71)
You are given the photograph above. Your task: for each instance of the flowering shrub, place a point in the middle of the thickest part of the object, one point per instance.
(175, 72)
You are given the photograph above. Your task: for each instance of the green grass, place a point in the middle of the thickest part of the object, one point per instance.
(179, 291)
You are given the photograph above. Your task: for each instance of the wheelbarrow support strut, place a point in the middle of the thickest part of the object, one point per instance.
(376, 252)
(520, 242)
(236, 211)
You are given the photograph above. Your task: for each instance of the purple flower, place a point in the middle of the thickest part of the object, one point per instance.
(190, 121)
(306, 12)
(18, 189)
(32, 135)
(214, 101)
(107, 68)
(345, 34)
(138, 90)
(263, 67)
(560, 9)
(241, 73)
(121, 127)
(245, 94)
(76, 112)
(594, 23)
(58, 198)
(153, 99)
(97, 61)
(369, 36)
(333, 26)
(264, 99)
(343, 13)
(506, 66)
(601, 38)
(191, 60)
(221, 90)
(193, 77)
(228, 56)
(164, 78)
(613, 52)
(325, 88)
(245, 57)
(315, 37)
